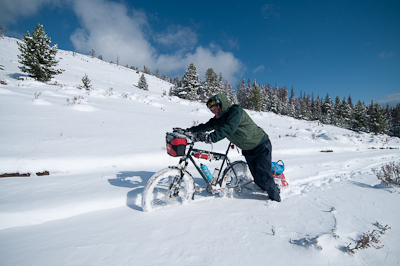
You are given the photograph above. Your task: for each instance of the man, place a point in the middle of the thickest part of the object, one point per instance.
(233, 123)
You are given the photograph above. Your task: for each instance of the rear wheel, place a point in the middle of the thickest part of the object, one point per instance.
(166, 188)
(236, 175)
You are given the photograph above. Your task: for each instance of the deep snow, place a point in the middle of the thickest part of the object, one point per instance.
(101, 152)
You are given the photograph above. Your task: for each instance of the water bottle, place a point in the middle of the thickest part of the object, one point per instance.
(216, 173)
(205, 170)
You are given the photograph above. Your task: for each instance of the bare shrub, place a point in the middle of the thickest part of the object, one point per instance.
(389, 174)
(368, 239)
(77, 100)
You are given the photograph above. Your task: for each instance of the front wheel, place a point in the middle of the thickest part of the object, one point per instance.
(166, 188)
(236, 175)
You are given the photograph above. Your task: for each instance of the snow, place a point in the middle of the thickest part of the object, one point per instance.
(101, 150)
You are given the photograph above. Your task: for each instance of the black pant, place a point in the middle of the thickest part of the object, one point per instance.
(259, 161)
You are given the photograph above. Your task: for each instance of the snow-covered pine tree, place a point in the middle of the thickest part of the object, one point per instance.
(256, 98)
(142, 84)
(327, 110)
(307, 102)
(345, 112)
(359, 120)
(303, 111)
(229, 92)
(283, 97)
(242, 94)
(190, 84)
(378, 121)
(174, 90)
(211, 85)
(37, 57)
(273, 100)
(350, 102)
(395, 125)
(291, 105)
(337, 116)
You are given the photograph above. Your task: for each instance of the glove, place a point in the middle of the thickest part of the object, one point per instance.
(207, 139)
(204, 137)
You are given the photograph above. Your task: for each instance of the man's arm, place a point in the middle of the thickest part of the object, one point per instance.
(230, 126)
(210, 125)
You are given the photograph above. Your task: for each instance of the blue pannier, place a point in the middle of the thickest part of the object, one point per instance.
(278, 167)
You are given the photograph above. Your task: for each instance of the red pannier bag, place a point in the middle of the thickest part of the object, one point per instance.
(176, 144)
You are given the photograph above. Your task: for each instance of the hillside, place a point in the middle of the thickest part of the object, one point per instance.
(101, 148)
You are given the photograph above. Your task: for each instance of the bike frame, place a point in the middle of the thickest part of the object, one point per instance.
(213, 156)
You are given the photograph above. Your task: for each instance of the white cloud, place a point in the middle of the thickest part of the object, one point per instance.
(111, 29)
(258, 69)
(203, 58)
(177, 36)
(114, 30)
(391, 99)
(385, 55)
(12, 10)
(269, 10)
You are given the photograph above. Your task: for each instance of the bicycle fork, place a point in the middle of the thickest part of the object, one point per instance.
(178, 179)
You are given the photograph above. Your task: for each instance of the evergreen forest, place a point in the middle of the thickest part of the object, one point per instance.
(345, 113)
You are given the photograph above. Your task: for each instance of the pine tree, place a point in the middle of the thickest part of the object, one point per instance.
(378, 121)
(350, 102)
(317, 109)
(256, 97)
(359, 121)
(174, 91)
(242, 95)
(395, 125)
(86, 83)
(37, 57)
(345, 113)
(142, 84)
(291, 111)
(327, 110)
(229, 92)
(190, 84)
(283, 98)
(337, 117)
(211, 85)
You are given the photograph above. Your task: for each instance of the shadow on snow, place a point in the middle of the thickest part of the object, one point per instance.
(137, 180)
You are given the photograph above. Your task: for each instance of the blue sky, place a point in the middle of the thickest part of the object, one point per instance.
(338, 47)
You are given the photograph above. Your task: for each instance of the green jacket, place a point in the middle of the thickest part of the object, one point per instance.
(234, 124)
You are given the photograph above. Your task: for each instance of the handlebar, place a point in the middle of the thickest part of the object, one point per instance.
(193, 137)
(184, 132)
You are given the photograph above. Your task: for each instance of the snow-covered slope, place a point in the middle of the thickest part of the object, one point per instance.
(101, 148)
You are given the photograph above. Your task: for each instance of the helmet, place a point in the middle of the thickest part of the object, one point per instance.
(213, 102)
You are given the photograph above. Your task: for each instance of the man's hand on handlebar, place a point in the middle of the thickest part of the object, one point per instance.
(204, 137)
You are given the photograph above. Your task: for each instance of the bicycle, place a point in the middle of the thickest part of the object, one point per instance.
(175, 184)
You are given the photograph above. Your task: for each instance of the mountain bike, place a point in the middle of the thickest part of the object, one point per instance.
(175, 184)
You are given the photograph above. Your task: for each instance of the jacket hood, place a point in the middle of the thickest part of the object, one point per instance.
(224, 102)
